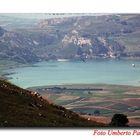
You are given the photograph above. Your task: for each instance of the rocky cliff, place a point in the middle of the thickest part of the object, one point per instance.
(88, 37)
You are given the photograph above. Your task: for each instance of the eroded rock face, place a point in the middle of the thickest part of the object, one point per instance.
(93, 46)
(33, 48)
(70, 38)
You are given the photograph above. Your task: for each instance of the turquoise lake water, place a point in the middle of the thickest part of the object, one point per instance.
(96, 71)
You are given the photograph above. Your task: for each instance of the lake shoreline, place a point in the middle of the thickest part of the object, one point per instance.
(82, 87)
(50, 73)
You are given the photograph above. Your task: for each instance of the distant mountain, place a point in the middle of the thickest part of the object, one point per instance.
(23, 108)
(78, 37)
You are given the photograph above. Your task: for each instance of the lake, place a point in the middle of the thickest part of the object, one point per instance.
(118, 72)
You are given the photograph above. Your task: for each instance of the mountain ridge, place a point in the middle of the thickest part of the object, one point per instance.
(87, 37)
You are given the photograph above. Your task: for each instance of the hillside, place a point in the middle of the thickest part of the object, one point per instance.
(96, 101)
(23, 108)
(81, 37)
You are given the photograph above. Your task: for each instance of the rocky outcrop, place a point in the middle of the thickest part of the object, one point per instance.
(93, 46)
(32, 48)
(104, 36)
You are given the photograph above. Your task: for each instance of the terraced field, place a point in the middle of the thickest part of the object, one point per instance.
(97, 101)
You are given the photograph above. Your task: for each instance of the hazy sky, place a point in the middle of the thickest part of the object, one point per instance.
(47, 15)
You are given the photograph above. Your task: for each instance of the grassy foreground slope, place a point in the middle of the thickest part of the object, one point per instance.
(20, 108)
(99, 102)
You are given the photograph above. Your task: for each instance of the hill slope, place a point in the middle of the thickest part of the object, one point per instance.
(23, 108)
(106, 36)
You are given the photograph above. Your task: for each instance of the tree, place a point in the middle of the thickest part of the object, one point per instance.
(119, 120)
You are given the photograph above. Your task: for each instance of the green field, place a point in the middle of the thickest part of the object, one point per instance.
(87, 99)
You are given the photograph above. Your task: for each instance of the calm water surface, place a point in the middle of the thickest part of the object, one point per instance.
(97, 71)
